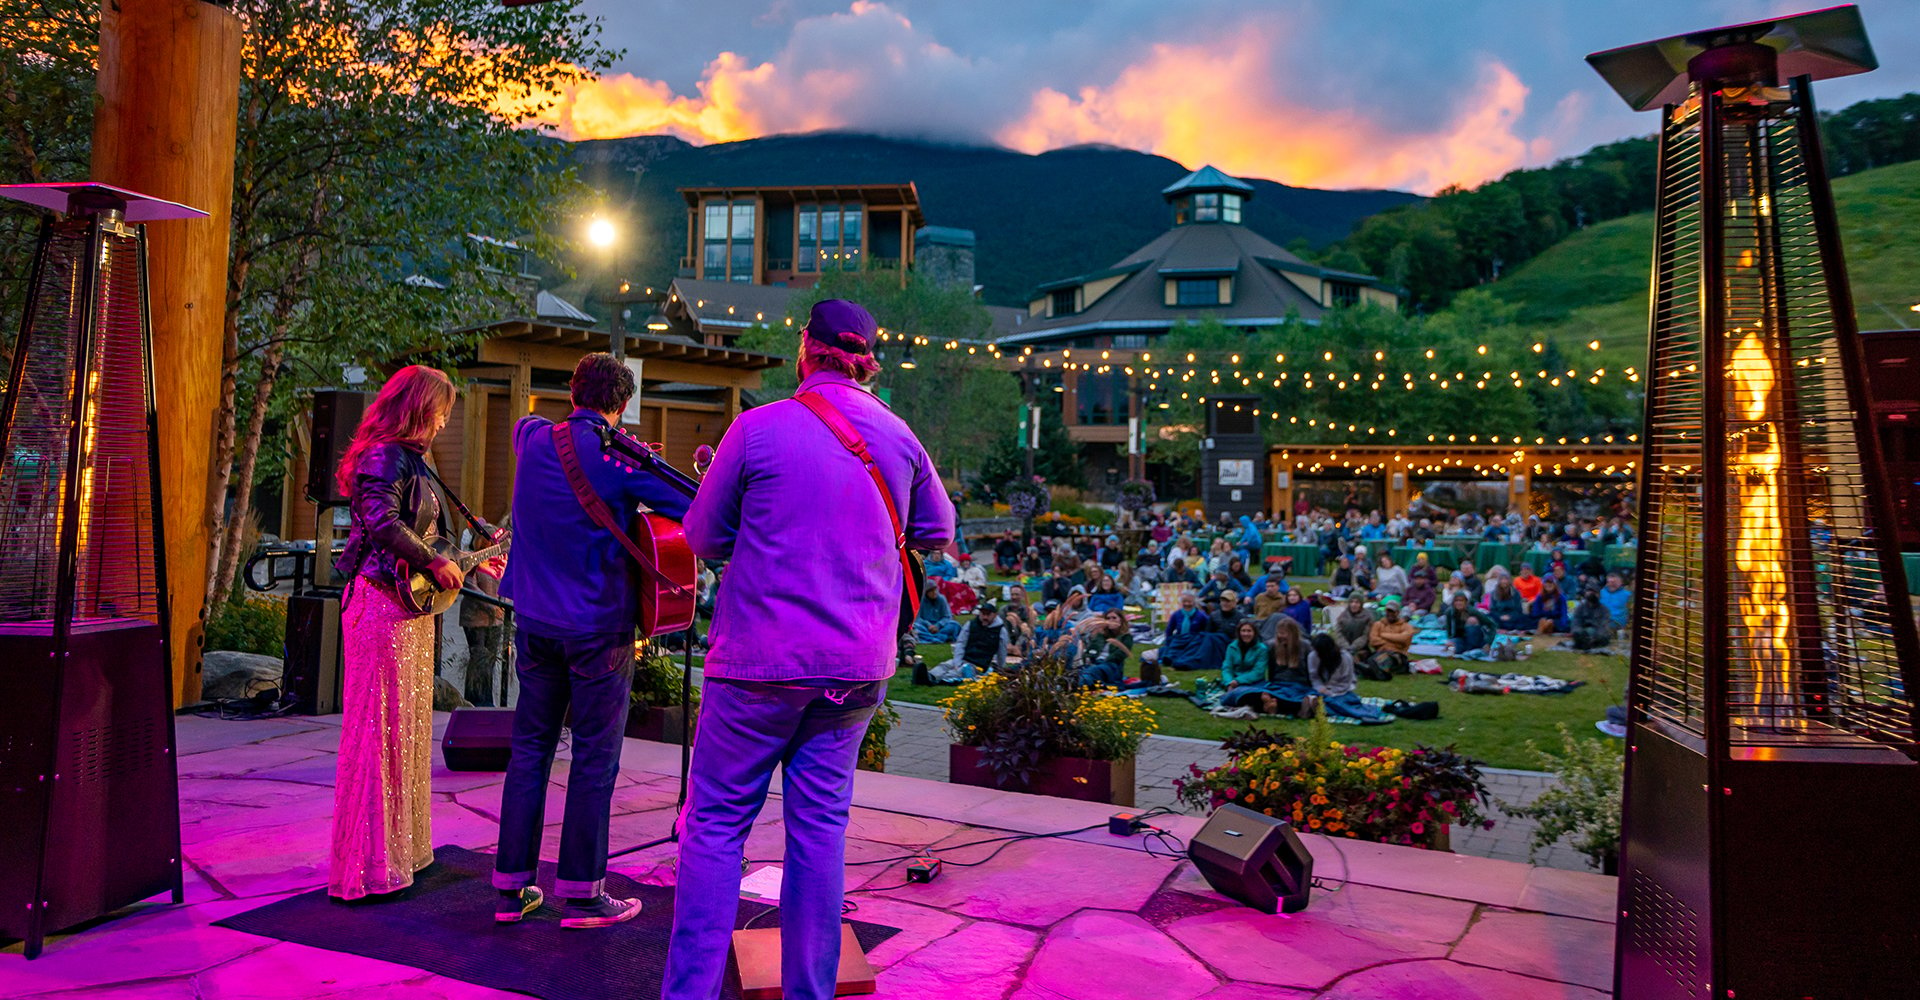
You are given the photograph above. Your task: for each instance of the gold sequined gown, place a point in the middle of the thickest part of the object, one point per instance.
(382, 797)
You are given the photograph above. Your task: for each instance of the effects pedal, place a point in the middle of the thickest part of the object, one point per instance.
(923, 869)
(1125, 824)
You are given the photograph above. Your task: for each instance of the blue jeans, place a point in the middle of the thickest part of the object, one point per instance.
(593, 674)
(1471, 638)
(745, 729)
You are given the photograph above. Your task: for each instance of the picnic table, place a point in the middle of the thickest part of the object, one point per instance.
(1308, 560)
(1622, 556)
(1439, 556)
(1496, 554)
(1462, 545)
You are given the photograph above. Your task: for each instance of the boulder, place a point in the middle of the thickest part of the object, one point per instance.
(447, 696)
(230, 676)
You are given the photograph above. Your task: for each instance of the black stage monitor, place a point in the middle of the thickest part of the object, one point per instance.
(1254, 858)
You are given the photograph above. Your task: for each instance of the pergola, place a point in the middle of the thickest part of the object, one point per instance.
(1523, 464)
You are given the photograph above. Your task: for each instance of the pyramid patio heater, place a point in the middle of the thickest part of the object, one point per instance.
(88, 789)
(1772, 795)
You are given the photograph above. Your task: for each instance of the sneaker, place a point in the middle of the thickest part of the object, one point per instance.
(512, 908)
(601, 911)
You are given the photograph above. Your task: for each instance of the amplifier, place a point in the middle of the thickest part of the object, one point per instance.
(478, 739)
(311, 679)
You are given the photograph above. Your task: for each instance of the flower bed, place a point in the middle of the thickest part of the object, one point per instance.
(1321, 785)
(1019, 719)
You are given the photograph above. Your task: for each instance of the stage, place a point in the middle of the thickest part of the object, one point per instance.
(1091, 916)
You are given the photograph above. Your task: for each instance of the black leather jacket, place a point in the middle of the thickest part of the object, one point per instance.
(394, 507)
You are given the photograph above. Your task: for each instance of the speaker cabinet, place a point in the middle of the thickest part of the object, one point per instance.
(1253, 858)
(336, 415)
(478, 739)
(312, 675)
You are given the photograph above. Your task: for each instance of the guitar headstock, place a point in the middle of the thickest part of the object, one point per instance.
(625, 450)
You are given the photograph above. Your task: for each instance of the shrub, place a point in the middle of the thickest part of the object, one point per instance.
(255, 623)
(1382, 794)
(657, 679)
(1038, 712)
(1585, 802)
(873, 746)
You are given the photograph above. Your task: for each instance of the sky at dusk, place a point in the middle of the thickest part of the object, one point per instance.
(1409, 94)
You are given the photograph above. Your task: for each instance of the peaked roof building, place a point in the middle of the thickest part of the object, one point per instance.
(1208, 265)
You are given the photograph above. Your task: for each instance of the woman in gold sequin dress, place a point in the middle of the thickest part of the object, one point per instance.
(382, 799)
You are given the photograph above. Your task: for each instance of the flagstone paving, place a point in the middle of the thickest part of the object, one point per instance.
(1083, 917)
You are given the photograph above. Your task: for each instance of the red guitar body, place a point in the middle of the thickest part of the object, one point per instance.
(664, 609)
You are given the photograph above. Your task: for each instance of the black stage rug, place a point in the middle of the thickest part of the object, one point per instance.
(444, 924)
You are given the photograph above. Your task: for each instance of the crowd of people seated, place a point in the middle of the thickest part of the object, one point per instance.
(1241, 615)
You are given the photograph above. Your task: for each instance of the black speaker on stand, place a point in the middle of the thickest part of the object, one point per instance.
(311, 678)
(336, 415)
(1253, 858)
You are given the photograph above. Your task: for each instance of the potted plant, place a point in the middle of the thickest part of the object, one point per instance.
(656, 712)
(1027, 499)
(873, 746)
(1036, 730)
(1321, 785)
(1584, 801)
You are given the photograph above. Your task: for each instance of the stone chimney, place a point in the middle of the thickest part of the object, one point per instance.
(945, 256)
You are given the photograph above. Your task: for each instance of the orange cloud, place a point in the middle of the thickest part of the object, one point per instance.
(1224, 103)
(1200, 105)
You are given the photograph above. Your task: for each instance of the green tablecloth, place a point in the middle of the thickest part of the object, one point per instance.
(1622, 556)
(1911, 560)
(1496, 554)
(1307, 559)
(1439, 555)
(1538, 560)
(1462, 545)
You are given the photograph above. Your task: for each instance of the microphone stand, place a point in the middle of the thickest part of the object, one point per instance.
(686, 749)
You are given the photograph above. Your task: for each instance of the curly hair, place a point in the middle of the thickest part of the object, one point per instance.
(601, 383)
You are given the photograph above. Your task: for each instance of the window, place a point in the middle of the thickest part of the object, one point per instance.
(727, 241)
(1206, 208)
(1343, 293)
(1101, 400)
(1127, 341)
(1064, 302)
(1229, 208)
(850, 237)
(809, 257)
(1196, 291)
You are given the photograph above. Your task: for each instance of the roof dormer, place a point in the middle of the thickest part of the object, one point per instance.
(1207, 195)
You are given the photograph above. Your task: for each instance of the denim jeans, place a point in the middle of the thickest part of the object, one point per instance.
(745, 729)
(593, 674)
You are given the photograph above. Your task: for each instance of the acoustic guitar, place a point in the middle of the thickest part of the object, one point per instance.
(664, 578)
(422, 594)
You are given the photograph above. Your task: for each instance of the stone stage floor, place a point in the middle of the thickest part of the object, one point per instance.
(1091, 916)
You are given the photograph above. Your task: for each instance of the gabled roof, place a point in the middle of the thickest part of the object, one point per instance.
(1261, 295)
(550, 306)
(1208, 178)
(736, 304)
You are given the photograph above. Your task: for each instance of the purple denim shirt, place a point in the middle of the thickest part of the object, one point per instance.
(812, 589)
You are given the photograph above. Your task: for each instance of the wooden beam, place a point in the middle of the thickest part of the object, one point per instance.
(519, 395)
(564, 358)
(473, 449)
(164, 118)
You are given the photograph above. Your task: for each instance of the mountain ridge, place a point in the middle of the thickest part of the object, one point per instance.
(1036, 217)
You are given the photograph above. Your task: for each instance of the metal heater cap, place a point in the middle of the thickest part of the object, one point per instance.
(1820, 44)
(84, 197)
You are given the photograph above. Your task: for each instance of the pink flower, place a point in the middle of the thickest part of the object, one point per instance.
(1418, 827)
(1232, 793)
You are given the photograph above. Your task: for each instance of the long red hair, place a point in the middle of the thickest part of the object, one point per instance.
(404, 412)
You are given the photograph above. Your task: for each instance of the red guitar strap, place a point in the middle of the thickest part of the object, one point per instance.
(842, 429)
(597, 509)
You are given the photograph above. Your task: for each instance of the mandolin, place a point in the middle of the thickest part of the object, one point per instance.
(665, 565)
(423, 594)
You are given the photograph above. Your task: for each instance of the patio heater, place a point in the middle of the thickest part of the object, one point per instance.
(88, 786)
(1772, 796)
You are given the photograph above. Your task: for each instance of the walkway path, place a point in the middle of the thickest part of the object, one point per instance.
(919, 750)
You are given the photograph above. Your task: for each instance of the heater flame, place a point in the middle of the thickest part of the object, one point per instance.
(1766, 615)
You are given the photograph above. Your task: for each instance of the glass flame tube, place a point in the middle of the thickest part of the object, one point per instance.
(1765, 615)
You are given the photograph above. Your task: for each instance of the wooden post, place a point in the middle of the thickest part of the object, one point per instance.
(519, 401)
(164, 120)
(906, 248)
(473, 445)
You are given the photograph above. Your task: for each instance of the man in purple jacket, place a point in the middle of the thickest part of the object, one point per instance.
(801, 657)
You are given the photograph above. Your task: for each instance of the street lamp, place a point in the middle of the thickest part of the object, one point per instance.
(907, 361)
(600, 233)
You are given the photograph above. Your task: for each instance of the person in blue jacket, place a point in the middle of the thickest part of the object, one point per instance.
(1190, 642)
(1107, 596)
(1550, 607)
(1249, 542)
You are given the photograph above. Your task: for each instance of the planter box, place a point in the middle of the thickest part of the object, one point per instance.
(1062, 777)
(660, 724)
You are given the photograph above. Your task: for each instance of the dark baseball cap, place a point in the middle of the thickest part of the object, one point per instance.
(845, 325)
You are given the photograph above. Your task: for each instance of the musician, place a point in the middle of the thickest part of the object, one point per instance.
(574, 613)
(381, 796)
(800, 659)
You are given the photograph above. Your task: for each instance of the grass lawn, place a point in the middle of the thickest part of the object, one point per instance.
(1492, 728)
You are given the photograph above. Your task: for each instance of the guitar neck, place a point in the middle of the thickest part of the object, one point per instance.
(469, 560)
(631, 452)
